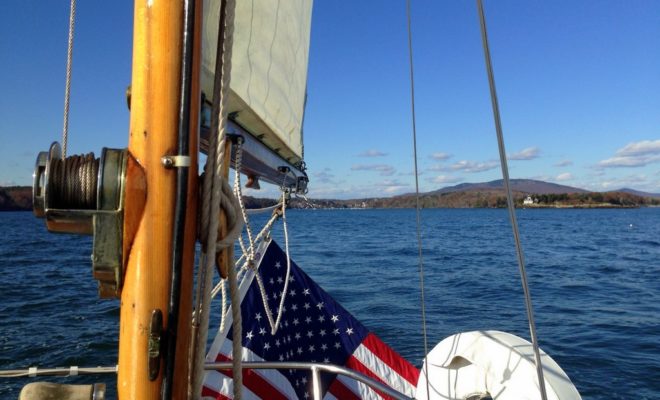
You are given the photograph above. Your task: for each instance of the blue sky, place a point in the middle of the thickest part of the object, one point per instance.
(578, 83)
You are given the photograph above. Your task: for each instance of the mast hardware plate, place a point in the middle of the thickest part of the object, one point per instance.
(85, 195)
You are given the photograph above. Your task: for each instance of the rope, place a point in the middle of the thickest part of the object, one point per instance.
(67, 88)
(417, 205)
(304, 197)
(509, 198)
(214, 190)
(239, 194)
(275, 322)
(254, 211)
(280, 311)
(223, 311)
(249, 252)
(262, 234)
(220, 98)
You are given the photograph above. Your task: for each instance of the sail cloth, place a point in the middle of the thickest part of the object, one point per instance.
(269, 68)
(314, 328)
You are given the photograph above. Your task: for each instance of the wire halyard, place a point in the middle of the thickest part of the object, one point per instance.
(417, 202)
(509, 197)
(67, 87)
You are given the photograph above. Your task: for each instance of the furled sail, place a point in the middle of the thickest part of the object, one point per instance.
(269, 69)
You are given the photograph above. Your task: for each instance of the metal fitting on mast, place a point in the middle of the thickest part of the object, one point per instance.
(85, 195)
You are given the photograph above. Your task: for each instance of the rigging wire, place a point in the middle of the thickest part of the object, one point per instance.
(509, 198)
(67, 87)
(417, 206)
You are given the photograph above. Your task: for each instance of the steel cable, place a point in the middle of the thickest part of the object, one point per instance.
(509, 198)
(67, 87)
(417, 203)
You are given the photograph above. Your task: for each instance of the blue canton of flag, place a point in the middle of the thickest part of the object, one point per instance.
(313, 328)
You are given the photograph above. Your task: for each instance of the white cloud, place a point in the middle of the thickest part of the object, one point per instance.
(636, 154)
(440, 156)
(566, 176)
(385, 188)
(529, 153)
(383, 169)
(564, 163)
(438, 168)
(372, 153)
(391, 186)
(628, 161)
(395, 189)
(472, 166)
(445, 179)
(640, 148)
(411, 173)
(546, 178)
(640, 182)
(333, 192)
(324, 176)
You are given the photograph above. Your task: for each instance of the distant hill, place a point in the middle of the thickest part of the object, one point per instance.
(16, 198)
(640, 193)
(530, 186)
(19, 198)
(492, 195)
(466, 195)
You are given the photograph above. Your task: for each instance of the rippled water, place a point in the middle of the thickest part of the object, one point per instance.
(594, 277)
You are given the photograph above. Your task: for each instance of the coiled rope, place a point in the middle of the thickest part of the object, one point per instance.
(73, 182)
(509, 198)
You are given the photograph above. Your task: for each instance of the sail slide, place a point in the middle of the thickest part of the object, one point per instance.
(314, 328)
(269, 69)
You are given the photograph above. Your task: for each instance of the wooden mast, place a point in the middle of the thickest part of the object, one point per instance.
(155, 97)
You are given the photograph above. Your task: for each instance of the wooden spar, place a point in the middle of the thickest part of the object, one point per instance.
(155, 96)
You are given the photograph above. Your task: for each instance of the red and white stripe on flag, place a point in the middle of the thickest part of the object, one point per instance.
(378, 361)
(257, 384)
(372, 358)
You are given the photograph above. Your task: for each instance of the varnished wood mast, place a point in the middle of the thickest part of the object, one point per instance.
(155, 96)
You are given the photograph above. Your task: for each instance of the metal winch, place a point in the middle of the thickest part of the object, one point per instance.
(85, 195)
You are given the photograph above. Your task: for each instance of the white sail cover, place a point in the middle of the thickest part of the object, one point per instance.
(269, 68)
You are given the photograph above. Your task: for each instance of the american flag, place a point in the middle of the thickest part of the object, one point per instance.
(314, 328)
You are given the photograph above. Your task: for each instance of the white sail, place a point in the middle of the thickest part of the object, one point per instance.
(269, 68)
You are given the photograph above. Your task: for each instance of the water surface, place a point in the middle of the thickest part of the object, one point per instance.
(593, 276)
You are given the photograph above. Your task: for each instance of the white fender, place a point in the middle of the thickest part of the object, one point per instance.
(490, 361)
